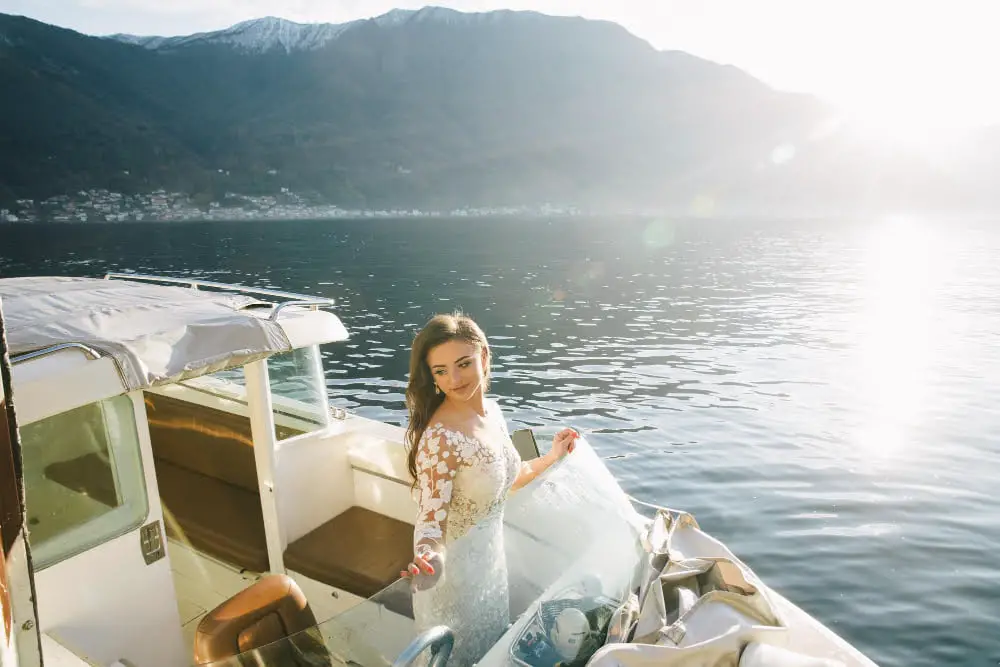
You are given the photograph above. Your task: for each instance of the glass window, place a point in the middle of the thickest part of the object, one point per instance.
(83, 479)
(298, 392)
(229, 385)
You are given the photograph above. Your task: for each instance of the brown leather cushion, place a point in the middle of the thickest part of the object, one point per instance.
(206, 440)
(220, 519)
(89, 474)
(271, 609)
(358, 551)
(267, 630)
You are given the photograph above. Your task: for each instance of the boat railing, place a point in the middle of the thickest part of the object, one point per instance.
(28, 356)
(291, 298)
(439, 639)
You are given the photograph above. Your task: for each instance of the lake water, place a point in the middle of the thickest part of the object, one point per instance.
(823, 396)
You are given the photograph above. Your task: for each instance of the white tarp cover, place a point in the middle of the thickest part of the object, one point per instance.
(157, 334)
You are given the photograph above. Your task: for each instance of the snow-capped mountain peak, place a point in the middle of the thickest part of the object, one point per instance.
(253, 36)
(266, 34)
(259, 35)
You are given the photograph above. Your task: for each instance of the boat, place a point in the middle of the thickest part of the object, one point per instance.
(191, 497)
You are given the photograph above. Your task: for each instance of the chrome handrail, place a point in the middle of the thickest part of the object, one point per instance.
(439, 639)
(28, 356)
(314, 303)
(242, 289)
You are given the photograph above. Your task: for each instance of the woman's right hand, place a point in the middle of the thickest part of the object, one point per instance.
(424, 570)
(564, 442)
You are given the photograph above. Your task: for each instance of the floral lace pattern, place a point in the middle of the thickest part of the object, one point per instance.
(462, 483)
(449, 503)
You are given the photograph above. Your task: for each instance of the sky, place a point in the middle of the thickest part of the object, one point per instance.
(904, 66)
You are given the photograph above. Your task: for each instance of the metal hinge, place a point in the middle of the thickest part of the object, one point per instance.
(151, 541)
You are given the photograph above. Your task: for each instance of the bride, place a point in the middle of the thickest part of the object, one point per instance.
(463, 463)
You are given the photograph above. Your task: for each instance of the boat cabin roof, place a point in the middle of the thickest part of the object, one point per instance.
(159, 333)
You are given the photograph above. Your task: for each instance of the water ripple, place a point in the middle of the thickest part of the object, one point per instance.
(821, 395)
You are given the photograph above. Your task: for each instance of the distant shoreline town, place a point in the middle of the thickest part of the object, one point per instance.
(162, 206)
(105, 206)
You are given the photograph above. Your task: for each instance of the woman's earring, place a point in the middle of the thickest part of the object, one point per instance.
(437, 389)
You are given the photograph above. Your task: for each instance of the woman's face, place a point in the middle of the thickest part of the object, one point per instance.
(458, 368)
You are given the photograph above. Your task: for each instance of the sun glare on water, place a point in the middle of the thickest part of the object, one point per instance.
(895, 344)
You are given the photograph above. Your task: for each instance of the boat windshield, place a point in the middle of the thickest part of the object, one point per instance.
(571, 539)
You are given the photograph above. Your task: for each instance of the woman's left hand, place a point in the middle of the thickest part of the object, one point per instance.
(564, 442)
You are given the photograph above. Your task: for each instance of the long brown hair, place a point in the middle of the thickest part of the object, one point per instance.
(421, 399)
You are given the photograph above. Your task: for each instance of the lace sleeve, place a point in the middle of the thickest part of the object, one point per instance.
(499, 416)
(525, 471)
(437, 464)
(503, 423)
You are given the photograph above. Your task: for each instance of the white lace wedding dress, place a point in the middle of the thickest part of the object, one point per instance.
(462, 485)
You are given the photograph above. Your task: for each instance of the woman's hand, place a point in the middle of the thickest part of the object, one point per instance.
(425, 570)
(564, 442)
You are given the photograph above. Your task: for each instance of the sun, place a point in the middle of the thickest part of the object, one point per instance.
(906, 101)
(900, 73)
(909, 124)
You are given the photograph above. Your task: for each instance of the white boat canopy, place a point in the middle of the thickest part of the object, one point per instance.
(159, 334)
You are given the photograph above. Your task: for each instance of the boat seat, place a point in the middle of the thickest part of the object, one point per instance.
(207, 476)
(217, 518)
(358, 551)
(268, 611)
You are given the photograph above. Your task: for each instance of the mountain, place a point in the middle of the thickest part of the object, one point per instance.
(256, 36)
(433, 108)
(270, 33)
